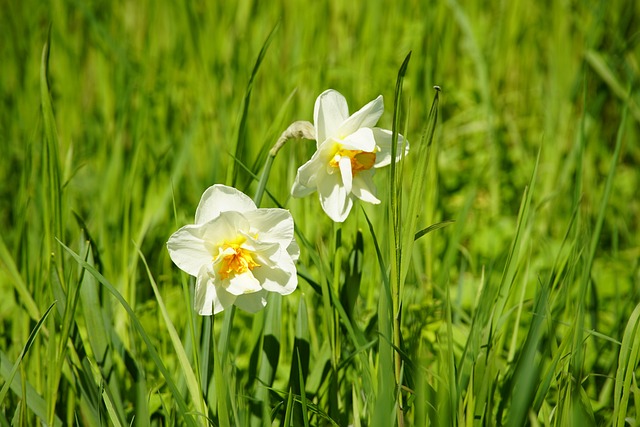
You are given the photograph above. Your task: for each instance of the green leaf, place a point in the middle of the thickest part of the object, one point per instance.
(192, 383)
(628, 361)
(239, 149)
(30, 397)
(32, 336)
(184, 412)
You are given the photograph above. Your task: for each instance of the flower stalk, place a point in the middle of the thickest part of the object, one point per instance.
(297, 130)
(395, 219)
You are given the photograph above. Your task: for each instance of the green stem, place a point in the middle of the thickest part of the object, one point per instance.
(335, 335)
(223, 344)
(297, 130)
(337, 269)
(262, 184)
(395, 219)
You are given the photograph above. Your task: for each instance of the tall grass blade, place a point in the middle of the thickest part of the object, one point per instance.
(525, 379)
(32, 336)
(222, 389)
(600, 66)
(7, 264)
(190, 377)
(385, 398)
(239, 149)
(577, 354)
(30, 397)
(269, 358)
(628, 361)
(431, 228)
(395, 226)
(51, 147)
(184, 412)
(300, 364)
(416, 194)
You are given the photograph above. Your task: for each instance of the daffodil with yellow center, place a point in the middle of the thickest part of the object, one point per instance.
(349, 149)
(360, 161)
(236, 251)
(235, 259)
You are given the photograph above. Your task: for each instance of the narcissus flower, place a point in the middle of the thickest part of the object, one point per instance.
(349, 149)
(236, 251)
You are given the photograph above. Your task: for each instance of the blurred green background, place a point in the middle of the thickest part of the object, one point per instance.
(148, 99)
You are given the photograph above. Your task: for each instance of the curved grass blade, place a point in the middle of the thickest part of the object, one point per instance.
(51, 146)
(628, 360)
(183, 409)
(300, 364)
(15, 278)
(32, 336)
(238, 152)
(433, 227)
(190, 377)
(33, 400)
(272, 336)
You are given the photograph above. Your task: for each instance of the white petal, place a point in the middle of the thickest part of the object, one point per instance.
(224, 228)
(220, 198)
(271, 225)
(188, 250)
(294, 250)
(252, 303)
(383, 141)
(245, 283)
(346, 173)
(209, 300)
(329, 112)
(366, 117)
(298, 190)
(261, 249)
(305, 182)
(362, 139)
(280, 278)
(335, 201)
(364, 188)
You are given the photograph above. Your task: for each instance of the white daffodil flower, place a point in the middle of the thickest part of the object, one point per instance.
(349, 149)
(237, 252)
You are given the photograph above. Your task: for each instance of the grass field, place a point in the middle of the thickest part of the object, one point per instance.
(520, 306)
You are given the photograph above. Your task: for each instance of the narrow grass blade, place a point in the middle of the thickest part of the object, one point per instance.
(51, 157)
(269, 357)
(384, 400)
(176, 395)
(577, 354)
(599, 65)
(238, 152)
(432, 227)
(288, 415)
(33, 401)
(25, 349)
(300, 365)
(525, 378)
(92, 312)
(303, 394)
(8, 265)
(628, 361)
(416, 194)
(222, 389)
(112, 411)
(454, 239)
(190, 377)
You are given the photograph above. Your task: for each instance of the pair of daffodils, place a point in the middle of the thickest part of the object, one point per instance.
(239, 252)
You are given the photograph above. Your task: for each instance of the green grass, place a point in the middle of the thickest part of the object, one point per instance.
(497, 284)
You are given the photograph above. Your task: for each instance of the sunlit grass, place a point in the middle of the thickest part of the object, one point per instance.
(497, 283)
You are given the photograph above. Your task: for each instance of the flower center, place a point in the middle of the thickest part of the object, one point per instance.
(360, 160)
(236, 260)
